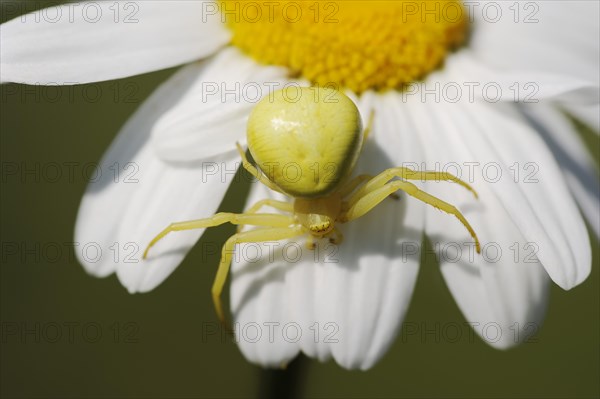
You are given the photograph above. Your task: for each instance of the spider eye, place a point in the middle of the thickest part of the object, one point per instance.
(319, 224)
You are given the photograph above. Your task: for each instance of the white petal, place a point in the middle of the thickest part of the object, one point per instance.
(559, 37)
(348, 303)
(93, 41)
(265, 330)
(540, 205)
(502, 292)
(120, 216)
(574, 159)
(170, 194)
(216, 108)
(466, 78)
(588, 114)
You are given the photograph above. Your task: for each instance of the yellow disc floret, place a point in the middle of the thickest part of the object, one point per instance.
(359, 45)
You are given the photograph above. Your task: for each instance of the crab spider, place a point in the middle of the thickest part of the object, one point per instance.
(305, 142)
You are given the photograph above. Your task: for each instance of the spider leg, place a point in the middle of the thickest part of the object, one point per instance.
(336, 237)
(256, 219)
(258, 235)
(280, 205)
(407, 174)
(369, 127)
(371, 199)
(352, 184)
(255, 172)
(310, 242)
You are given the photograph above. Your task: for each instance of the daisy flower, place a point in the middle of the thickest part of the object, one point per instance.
(479, 89)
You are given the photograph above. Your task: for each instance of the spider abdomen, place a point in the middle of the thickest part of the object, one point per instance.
(305, 140)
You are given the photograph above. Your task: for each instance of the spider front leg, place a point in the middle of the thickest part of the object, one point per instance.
(255, 172)
(353, 184)
(258, 235)
(407, 174)
(369, 128)
(280, 205)
(256, 219)
(336, 237)
(372, 198)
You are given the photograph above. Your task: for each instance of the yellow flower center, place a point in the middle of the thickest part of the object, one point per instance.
(359, 45)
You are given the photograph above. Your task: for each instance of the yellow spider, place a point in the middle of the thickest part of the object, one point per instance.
(305, 142)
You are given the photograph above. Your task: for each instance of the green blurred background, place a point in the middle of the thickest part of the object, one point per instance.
(151, 344)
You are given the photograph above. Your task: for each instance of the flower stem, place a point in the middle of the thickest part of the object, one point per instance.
(284, 383)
